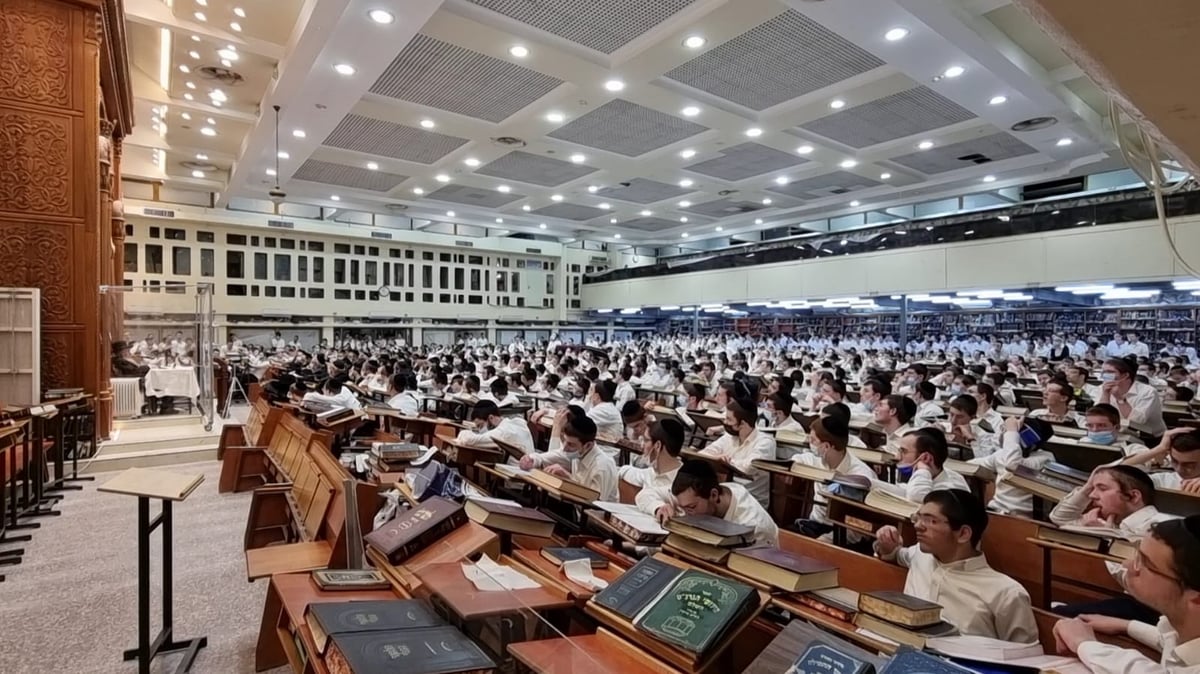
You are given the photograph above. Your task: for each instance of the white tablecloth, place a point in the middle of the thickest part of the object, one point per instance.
(181, 383)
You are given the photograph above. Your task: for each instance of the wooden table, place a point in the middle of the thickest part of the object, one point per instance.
(167, 487)
(839, 507)
(555, 577)
(599, 653)
(1083, 575)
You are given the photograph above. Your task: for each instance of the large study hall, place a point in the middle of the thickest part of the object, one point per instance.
(599, 336)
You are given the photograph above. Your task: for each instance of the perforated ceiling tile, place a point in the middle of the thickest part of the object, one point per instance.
(723, 208)
(316, 171)
(534, 169)
(626, 128)
(569, 211)
(829, 184)
(603, 25)
(903, 114)
(375, 136)
(643, 191)
(788, 56)
(995, 147)
(651, 224)
(474, 196)
(746, 161)
(448, 77)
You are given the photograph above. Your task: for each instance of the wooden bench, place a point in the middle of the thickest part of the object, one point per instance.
(241, 447)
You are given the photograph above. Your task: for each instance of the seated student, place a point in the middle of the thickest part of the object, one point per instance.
(741, 444)
(697, 491)
(947, 567)
(694, 402)
(1103, 424)
(923, 454)
(576, 456)
(498, 393)
(829, 391)
(1118, 497)
(1139, 404)
(400, 397)
(1164, 574)
(963, 427)
(928, 410)
(985, 396)
(604, 412)
(1059, 398)
(779, 414)
(625, 391)
(869, 396)
(662, 447)
(1182, 447)
(841, 411)
(893, 415)
(490, 424)
(1020, 445)
(333, 393)
(828, 438)
(907, 381)
(633, 417)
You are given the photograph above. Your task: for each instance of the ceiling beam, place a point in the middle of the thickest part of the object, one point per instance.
(158, 15)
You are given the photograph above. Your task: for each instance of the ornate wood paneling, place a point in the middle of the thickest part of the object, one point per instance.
(40, 74)
(57, 361)
(50, 246)
(36, 163)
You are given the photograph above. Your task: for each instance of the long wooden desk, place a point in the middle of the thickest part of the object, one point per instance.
(599, 653)
(556, 578)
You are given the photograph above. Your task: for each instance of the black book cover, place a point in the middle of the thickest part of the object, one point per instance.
(367, 616)
(431, 650)
(637, 587)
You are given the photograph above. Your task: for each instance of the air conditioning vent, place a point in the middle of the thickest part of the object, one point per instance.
(281, 224)
(1053, 188)
(598, 258)
(975, 158)
(509, 141)
(464, 244)
(158, 213)
(535, 251)
(381, 235)
(223, 75)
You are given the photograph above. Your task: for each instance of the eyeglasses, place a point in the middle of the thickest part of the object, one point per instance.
(1139, 563)
(927, 520)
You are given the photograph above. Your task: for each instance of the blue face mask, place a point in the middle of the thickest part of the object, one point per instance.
(955, 389)
(905, 472)
(1108, 376)
(868, 406)
(1102, 437)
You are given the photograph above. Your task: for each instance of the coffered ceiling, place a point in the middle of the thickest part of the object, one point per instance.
(648, 120)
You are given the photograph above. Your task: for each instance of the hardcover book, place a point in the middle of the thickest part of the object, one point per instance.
(822, 658)
(637, 587)
(1039, 483)
(1074, 537)
(697, 610)
(349, 579)
(812, 472)
(897, 607)
(560, 556)
(396, 451)
(565, 486)
(911, 661)
(326, 620)
(411, 531)
(686, 547)
(513, 518)
(711, 530)
(431, 650)
(911, 636)
(890, 503)
(784, 570)
(837, 602)
(640, 528)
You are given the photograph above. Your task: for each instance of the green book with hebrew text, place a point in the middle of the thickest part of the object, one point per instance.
(697, 610)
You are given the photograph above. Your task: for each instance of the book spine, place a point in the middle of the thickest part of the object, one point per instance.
(428, 536)
(831, 611)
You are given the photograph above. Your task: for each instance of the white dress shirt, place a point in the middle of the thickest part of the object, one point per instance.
(655, 489)
(406, 402)
(1136, 525)
(624, 394)
(740, 454)
(511, 430)
(974, 597)
(1177, 658)
(1146, 414)
(344, 398)
(922, 482)
(746, 510)
(595, 469)
(608, 420)
(1007, 498)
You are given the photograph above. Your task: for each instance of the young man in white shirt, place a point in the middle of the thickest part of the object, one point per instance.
(661, 451)
(577, 456)
(1059, 398)
(947, 567)
(334, 394)
(963, 427)
(1139, 404)
(893, 415)
(697, 491)
(400, 398)
(928, 410)
(869, 396)
(498, 393)
(1164, 574)
(625, 391)
(742, 444)
(1181, 446)
(985, 397)
(1020, 445)
(604, 412)
(490, 426)
(923, 455)
(1117, 497)
(1103, 424)
(828, 438)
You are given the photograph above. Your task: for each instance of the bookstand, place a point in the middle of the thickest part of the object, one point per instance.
(790, 496)
(602, 652)
(75, 427)
(166, 487)
(839, 509)
(553, 575)
(1087, 572)
(725, 471)
(783, 650)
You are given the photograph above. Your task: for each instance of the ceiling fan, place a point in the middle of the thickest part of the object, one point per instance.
(277, 195)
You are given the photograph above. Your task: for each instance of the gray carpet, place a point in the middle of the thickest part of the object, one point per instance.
(72, 605)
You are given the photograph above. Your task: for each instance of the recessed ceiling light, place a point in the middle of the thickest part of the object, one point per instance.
(228, 54)
(896, 34)
(442, 178)
(578, 158)
(299, 133)
(556, 197)
(227, 63)
(954, 71)
(687, 154)
(1063, 142)
(195, 38)
(604, 206)
(284, 155)
(541, 225)
(235, 26)
(683, 218)
(855, 204)
(782, 180)
(449, 214)
(646, 214)
(335, 197)
(197, 174)
(504, 189)
(518, 51)
(925, 145)
(754, 132)
(200, 16)
(471, 161)
(690, 111)
(593, 189)
(612, 221)
(427, 124)
(720, 228)
(614, 85)
(201, 156)
(418, 191)
(210, 121)
(885, 176)
(188, 97)
(694, 42)
(344, 69)
(185, 115)
(527, 208)
(372, 166)
(685, 203)
(998, 100)
(190, 85)
(194, 54)
(684, 235)
(989, 179)
(499, 221)
(270, 172)
(381, 16)
(758, 221)
(555, 117)
(837, 104)
(208, 131)
(767, 201)
(184, 69)
(618, 235)
(239, 12)
(848, 163)
(202, 3)
(686, 182)
(804, 149)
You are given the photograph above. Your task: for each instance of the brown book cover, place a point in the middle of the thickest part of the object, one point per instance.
(891, 503)
(911, 636)
(563, 485)
(784, 570)
(838, 602)
(513, 518)
(899, 608)
(1038, 484)
(812, 472)
(687, 547)
(711, 530)
(1074, 539)
(350, 579)
(412, 530)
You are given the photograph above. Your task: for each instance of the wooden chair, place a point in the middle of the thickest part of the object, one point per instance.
(238, 442)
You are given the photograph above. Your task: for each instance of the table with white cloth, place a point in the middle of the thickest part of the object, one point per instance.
(173, 382)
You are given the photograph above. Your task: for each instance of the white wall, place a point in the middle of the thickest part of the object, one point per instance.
(1132, 252)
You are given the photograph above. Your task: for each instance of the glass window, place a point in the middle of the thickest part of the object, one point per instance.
(373, 251)
(283, 267)
(408, 255)
(427, 255)
(427, 298)
(128, 229)
(353, 272)
(254, 241)
(302, 268)
(516, 282)
(426, 276)
(289, 244)
(236, 240)
(254, 291)
(154, 233)
(235, 290)
(444, 298)
(269, 241)
(501, 282)
(318, 246)
(181, 260)
(360, 294)
(474, 299)
(287, 291)
(131, 257)
(387, 273)
(371, 273)
(341, 293)
(475, 274)
(443, 278)
(154, 258)
(208, 265)
(360, 250)
(235, 264)
(316, 293)
(474, 259)
(270, 291)
(549, 284)
(399, 274)
(339, 271)
(394, 252)
(260, 266)
(343, 248)
(444, 257)
(318, 270)
(459, 278)
(175, 234)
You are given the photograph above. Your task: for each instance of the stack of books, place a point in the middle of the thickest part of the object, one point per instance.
(415, 529)
(1053, 482)
(1093, 539)
(387, 461)
(563, 485)
(902, 618)
(508, 516)
(785, 570)
(707, 538)
(634, 524)
(835, 602)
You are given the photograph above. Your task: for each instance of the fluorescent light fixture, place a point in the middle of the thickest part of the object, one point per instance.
(503, 189)
(449, 214)
(335, 197)
(617, 235)
(855, 204)
(720, 228)
(1016, 297)
(1063, 142)
(1086, 289)
(526, 208)
(556, 197)
(208, 131)
(197, 174)
(604, 205)
(499, 221)
(991, 294)
(270, 172)
(604, 311)
(758, 221)
(942, 299)
(541, 225)
(711, 306)
(632, 310)
(227, 54)
(1128, 294)
(685, 204)
(427, 124)
(782, 180)
(593, 188)
(767, 201)
(925, 145)
(1192, 284)
(578, 158)
(885, 176)
(612, 221)
(284, 155)
(298, 133)
(920, 297)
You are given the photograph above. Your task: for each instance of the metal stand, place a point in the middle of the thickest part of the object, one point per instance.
(165, 642)
(235, 386)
